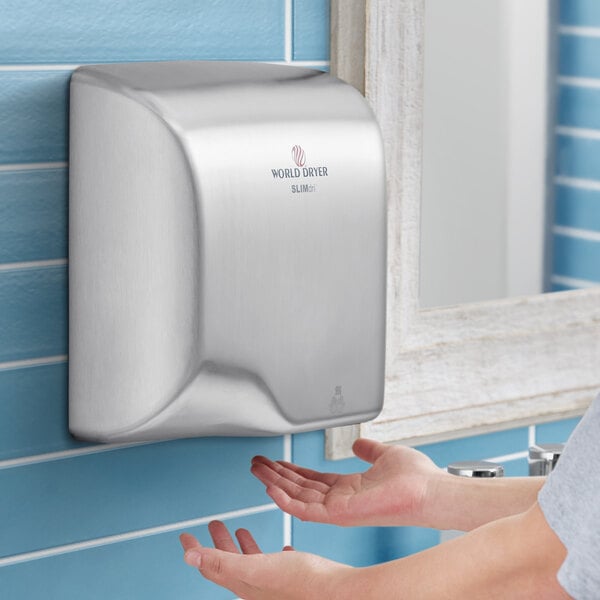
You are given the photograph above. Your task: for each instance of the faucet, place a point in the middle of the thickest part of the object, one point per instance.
(543, 458)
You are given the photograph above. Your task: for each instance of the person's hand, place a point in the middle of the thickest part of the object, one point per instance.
(251, 575)
(394, 491)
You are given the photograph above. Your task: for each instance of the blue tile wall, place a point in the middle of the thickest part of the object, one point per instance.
(33, 403)
(33, 215)
(576, 258)
(57, 491)
(33, 115)
(578, 55)
(33, 312)
(578, 106)
(127, 489)
(77, 31)
(575, 248)
(577, 207)
(580, 13)
(311, 30)
(577, 157)
(147, 567)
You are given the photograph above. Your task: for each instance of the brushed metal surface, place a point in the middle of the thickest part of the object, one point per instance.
(227, 251)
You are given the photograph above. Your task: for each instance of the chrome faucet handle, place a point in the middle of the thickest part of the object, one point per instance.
(476, 468)
(543, 458)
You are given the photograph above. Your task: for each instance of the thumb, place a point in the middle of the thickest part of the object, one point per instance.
(227, 569)
(368, 450)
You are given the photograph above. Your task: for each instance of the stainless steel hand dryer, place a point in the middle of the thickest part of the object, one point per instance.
(227, 251)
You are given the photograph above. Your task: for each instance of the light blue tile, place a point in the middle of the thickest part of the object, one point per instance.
(33, 313)
(311, 30)
(33, 116)
(584, 13)
(577, 258)
(478, 447)
(559, 287)
(516, 468)
(151, 568)
(578, 157)
(361, 546)
(95, 495)
(557, 432)
(33, 215)
(578, 56)
(577, 207)
(33, 411)
(579, 107)
(78, 31)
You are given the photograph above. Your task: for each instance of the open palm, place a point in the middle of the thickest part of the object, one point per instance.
(392, 492)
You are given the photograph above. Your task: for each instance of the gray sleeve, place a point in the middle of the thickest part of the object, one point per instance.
(570, 501)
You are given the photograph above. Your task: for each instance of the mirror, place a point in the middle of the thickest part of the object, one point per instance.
(465, 368)
(486, 140)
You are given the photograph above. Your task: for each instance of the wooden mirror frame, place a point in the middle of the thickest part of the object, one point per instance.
(465, 369)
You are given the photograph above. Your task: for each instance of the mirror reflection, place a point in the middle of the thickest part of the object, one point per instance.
(511, 132)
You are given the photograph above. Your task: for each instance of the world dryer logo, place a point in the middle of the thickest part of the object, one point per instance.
(298, 156)
(300, 171)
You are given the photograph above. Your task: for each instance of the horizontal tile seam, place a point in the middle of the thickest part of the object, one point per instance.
(573, 281)
(584, 82)
(34, 264)
(133, 535)
(576, 182)
(33, 362)
(509, 457)
(34, 459)
(579, 30)
(578, 132)
(71, 67)
(39, 166)
(572, 232)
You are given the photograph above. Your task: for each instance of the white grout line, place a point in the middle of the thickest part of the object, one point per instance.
(33, 362)
(34, 264)
(582, 234)
(33, 166)
(509, 457)
(584, 184)
(287, 519)
(531, 435)
(578, 132)
(300, 63)
(289, 33)
(287, 55)
(132, 535)
(65, 454)
(587, 82)
(38, 67)
(572, 282)
(577, 30)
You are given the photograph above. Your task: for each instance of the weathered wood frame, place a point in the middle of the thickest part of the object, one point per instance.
(465, 369)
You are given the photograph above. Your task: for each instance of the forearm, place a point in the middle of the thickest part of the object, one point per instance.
(515, 557)
(466, 503)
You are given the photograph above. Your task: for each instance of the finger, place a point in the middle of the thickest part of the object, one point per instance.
(221, 537)
(274, 472)
(226, 569)
(312, 511)
(314, 476)
(288, 549)
(326, 479)
(272, 479)
(247, 542)
(188, 541)
(368, 450)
